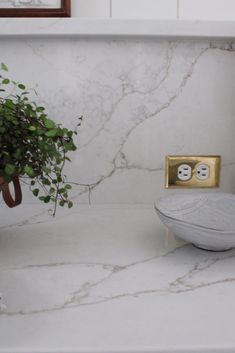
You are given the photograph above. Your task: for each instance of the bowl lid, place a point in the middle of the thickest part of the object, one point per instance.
(213, 210)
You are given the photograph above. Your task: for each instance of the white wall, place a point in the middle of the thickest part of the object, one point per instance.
(91, 8)
(159, 9)
(144, 9)
(207, 9)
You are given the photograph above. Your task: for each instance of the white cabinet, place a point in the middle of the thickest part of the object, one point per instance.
(159, 9)
(207, 9)
(223, 10)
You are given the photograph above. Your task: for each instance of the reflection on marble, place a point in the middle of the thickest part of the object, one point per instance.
(141, 100)
(110, 279)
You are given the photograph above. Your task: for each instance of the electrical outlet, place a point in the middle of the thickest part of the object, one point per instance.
(184, 172)
(202, 172)
(192, 171)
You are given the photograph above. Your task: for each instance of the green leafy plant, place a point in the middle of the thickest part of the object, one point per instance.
(32, 146)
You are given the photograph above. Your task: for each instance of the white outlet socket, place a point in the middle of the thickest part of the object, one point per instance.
(202, 172)
(184, 172)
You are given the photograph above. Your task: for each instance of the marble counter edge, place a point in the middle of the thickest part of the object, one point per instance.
(202, 349)
(77, 27)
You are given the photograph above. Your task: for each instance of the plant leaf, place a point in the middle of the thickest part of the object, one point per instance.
(10, 169)
(51, 133)
(5, 81)
(36, 192)
(4, 67)
(49, 124)
(23, 87)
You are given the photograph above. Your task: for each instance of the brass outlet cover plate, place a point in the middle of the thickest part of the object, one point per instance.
(174, 162)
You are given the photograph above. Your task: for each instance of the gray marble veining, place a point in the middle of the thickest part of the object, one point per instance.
(141, 100)
(91, 279)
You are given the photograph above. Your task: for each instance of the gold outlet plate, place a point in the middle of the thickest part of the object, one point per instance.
(173, 163)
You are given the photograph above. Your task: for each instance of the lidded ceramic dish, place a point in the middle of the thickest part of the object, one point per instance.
(205, 219)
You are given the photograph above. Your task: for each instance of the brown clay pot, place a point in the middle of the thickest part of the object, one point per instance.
(7, 197)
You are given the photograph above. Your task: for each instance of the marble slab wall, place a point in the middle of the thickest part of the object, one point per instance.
(141, 100)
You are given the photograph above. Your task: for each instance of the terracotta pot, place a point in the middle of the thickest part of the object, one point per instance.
(7, 197)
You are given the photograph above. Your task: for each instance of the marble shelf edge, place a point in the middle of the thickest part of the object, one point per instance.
(77, 27)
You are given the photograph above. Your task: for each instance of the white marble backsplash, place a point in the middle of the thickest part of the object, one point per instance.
(141, 100)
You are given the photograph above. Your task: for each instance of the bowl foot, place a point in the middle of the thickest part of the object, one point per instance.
(205, 248)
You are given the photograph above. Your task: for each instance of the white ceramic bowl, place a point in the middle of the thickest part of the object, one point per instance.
(205, 219)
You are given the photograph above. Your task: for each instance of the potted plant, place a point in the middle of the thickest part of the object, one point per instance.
(33, 148)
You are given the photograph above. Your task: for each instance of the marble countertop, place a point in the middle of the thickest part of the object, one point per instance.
(103, 27)
(110, 279)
